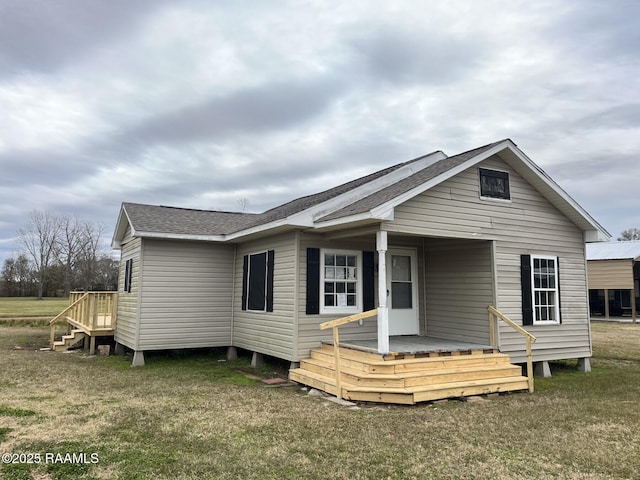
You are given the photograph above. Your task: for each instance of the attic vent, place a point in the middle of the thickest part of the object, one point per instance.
(494, 184)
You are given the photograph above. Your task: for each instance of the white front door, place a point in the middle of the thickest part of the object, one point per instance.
(402, 291)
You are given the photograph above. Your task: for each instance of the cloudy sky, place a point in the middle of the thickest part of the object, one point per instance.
(201, 104)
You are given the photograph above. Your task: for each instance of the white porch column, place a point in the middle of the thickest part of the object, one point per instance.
(383, 311)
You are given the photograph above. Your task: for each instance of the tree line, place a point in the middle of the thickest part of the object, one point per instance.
(58, 253)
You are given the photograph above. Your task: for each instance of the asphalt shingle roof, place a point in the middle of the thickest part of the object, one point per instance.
(392, 191)
(183, 221)
(153, 219)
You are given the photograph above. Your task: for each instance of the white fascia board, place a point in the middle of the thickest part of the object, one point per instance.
(383, 209)
(308, 216)
(178, 236)
(593, 236)
(118, 232)
(259, 229)
(351, 219)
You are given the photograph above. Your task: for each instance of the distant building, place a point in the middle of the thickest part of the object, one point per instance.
(614, 278)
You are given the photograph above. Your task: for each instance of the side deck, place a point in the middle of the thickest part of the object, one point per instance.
(88, 316)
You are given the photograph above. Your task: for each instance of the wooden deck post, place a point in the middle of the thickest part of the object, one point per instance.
(336, 353)
(529, 365)
(383, 312)
(633, 305)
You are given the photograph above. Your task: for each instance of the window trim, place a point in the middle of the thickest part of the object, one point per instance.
(359, 272)
(556, 290)
(484, 171)
(268, 282)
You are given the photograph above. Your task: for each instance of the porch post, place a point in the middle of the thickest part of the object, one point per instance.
(383, 312)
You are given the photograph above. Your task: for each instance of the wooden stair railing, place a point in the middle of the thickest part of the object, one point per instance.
(62, 316)
(93, 312)
(334, 324)
(494, 315)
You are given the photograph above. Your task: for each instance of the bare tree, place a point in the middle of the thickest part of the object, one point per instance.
(89, 255)
(38, 237)
(68, 246)
(244, 204)
(629, 234)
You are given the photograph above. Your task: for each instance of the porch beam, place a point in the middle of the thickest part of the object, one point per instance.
(383, 312)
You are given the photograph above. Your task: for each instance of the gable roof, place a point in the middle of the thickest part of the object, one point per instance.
(406, 185)
(614, 250)
(371, 198)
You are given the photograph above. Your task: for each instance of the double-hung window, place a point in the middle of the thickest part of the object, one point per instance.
(546, 305)
(340, 282)
(540, 289)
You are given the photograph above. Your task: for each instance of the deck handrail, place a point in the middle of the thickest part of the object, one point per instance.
(85, 308)
(494, 314)
(334, 324)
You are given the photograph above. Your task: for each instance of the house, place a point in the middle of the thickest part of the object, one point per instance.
(614, 278)
(431, 243)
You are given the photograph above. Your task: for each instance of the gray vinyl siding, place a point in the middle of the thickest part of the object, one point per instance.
(528, 224)
(309, 334)
(459, 286)
(270, 333)
(187, 291)
(127, 317)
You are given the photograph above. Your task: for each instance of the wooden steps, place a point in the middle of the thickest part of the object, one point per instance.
(69, 341)
(394, 378)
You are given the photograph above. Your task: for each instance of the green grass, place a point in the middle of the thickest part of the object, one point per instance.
(195, 416)
(20, 307)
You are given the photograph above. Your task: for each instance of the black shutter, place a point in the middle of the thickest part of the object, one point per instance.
(128, 275)
(368, 286)
(270, 259)
(313, 281)
(527, 290)
(245, 272)
(558, 286)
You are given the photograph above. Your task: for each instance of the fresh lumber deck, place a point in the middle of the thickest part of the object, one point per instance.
(409, 379)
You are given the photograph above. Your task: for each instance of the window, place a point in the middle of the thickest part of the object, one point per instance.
(257, 282)
(128, 275)
(540, 290)
(340, 284)
(494, 184)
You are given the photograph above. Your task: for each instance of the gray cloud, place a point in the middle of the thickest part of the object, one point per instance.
(21, 168)
(43, 35)
(197, 105)
(599, 31)
(252, 110)
(618, 116)
(399, 56)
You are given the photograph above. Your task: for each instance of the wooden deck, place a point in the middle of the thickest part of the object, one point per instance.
(418, 369)
(88, 316)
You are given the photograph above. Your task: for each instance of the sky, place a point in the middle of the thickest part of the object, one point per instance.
(246, 105)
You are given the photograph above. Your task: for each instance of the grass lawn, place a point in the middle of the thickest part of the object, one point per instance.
(20, 307)
(197, 417)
